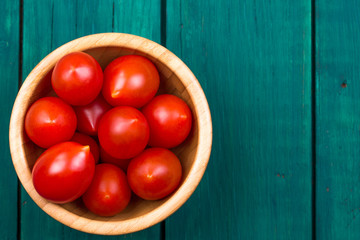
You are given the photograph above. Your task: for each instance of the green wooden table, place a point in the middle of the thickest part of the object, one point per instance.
(283, 83)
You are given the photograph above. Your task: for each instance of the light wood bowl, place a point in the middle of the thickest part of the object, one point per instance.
(194, 153)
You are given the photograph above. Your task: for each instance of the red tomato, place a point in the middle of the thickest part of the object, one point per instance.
(169, 120)
(107, 158)
(63, 172)
(109, 192)
(130, 80)
(50, 121)
(88, 116)
(86, 140)
(123, 132)
(154, 174)
(77, 78)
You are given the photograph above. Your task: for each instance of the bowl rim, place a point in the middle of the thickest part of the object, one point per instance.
(202, 154)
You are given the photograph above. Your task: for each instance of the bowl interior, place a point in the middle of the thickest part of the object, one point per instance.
(170, 83)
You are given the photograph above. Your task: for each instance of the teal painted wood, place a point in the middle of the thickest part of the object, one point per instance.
(95, 16)
(337, 119)
(253, 60)
(9, 52)
(49, 24)
(141, 17)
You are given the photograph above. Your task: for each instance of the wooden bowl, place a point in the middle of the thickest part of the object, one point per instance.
(194, 153)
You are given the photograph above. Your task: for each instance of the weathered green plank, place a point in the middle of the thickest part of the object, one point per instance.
(95, 16)
(64, 22)
(49, 24)
(337, 119)
(253, 59)
(9, 56)
(141, 17)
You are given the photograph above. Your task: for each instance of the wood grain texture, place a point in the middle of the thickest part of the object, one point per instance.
(9, 52)
(337, 119)
(141, 17)
(49, 24)
(253, 59)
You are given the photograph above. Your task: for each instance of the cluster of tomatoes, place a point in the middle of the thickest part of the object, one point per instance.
(123, 134)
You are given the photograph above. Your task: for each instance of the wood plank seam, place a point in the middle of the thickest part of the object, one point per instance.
(21, 17)
(313, 120)
(163, 21)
